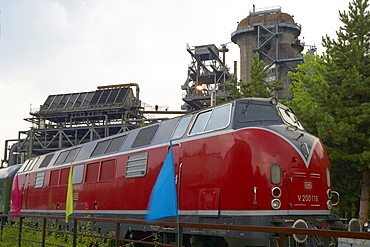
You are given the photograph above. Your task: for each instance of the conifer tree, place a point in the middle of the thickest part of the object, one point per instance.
(257, 87)
(340, 96)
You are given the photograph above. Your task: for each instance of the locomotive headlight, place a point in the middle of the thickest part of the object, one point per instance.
(329, 193)
(275, 204)
(328, 203)
(274, 101)
(276, 192)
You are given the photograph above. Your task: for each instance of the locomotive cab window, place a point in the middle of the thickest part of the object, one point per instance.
(253, 112)
(200, 122)
(290, 118)
(217, 118)
(181, 127)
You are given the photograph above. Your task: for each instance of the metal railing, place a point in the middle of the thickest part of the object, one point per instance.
(117, 240)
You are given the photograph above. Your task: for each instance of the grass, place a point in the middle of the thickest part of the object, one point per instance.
(10, 234)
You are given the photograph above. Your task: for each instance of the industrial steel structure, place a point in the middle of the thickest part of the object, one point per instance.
(66, 120)
(207, 75)
(274, 35)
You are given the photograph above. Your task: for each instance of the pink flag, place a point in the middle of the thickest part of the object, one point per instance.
(16, 208)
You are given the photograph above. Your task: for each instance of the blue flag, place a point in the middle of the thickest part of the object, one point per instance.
(163, 200)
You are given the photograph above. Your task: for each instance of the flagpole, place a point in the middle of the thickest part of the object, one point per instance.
(178, 231)
(163, 201)
(179, 235)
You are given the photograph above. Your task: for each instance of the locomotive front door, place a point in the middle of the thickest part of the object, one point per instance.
(192, 196)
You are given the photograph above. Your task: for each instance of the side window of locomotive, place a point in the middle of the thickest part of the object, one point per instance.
(116, 144)
(145, 136)
(109, 146)
(61, 158)
(46, 160)
(200, 122)
(214, 119)
(254, 112)
(219, 119)
(39, 180)
(78, 173)
(181, 127)
(100, 148)
(72, 155)
(136, 165)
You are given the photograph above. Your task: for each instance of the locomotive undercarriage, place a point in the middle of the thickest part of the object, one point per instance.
(194, 237)
(223, 238)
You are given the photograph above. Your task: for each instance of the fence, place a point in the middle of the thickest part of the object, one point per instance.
(280, 231)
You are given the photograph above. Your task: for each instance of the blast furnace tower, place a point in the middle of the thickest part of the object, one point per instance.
(274, 35)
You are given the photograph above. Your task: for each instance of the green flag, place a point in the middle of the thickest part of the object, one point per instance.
(69, 200)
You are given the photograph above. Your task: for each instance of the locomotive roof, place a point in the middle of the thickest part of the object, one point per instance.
(132, 140)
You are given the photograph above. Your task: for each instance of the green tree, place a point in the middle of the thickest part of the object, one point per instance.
(337, 90)
(257, 87)
(306, 87)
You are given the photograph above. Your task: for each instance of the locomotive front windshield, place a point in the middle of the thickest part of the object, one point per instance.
(255, 112)
(290, 118)
(262, 112)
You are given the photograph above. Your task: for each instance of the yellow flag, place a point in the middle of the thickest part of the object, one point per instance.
(69, 200)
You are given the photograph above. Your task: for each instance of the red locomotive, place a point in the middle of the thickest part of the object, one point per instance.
(246, 162)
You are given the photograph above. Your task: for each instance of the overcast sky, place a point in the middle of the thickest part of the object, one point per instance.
(67, 46)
